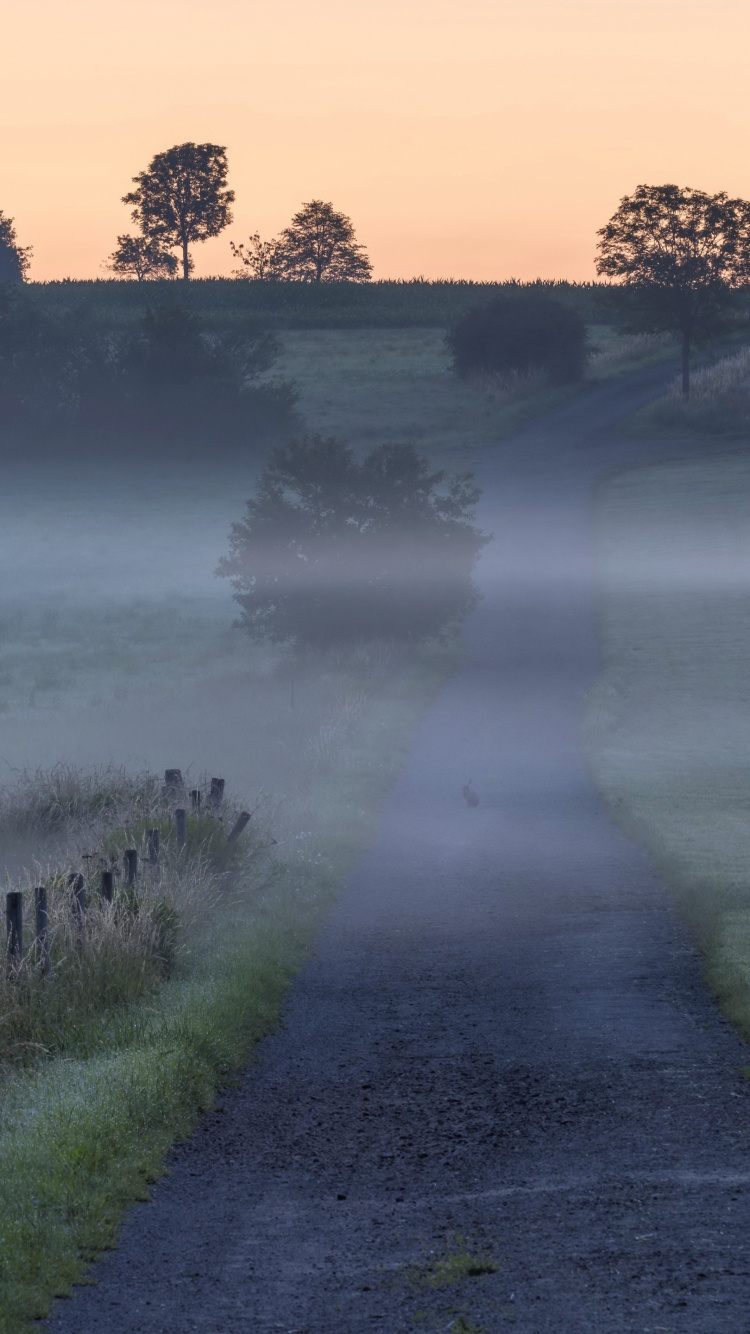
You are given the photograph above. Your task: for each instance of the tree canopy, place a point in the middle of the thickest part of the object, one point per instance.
(137, 257)
(182, 197)
(318, 246)
(683, 251)
(14, 259)
(333, 551)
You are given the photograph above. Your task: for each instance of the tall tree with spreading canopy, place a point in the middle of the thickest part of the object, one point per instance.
(137, 257)
(333, 551)
(319, 245)
(14, 259)
(182, 197)
(683, 252)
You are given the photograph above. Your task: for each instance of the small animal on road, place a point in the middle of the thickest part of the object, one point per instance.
(471, 797)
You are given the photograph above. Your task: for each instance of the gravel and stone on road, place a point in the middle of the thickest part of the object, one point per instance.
(502, 1043)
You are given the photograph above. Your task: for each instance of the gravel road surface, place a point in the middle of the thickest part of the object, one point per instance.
(502, 1036)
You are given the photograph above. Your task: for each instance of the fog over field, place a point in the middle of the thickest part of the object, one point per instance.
(108, 604)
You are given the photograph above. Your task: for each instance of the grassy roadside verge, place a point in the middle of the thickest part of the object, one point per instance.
(371, 385)
(667, 724)
(81, 1139)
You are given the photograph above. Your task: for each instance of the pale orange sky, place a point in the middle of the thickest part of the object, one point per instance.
(465, 138)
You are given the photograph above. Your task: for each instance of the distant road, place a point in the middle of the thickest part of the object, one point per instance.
(503, 1033)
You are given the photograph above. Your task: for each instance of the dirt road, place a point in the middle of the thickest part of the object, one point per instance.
(502, 1035)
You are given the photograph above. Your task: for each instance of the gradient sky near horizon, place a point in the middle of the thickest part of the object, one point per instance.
(480, 139)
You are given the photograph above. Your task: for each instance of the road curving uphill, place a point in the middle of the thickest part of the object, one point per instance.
(501, 1095)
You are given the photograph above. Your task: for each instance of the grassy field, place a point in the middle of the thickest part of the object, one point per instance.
(285, 305)
(85, 1125)
(668, 721)
(373, 385)
(117, 647)
(718, 406)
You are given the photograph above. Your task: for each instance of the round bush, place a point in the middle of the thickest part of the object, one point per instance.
(520, 331)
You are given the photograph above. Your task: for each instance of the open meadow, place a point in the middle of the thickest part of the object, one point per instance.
(668, 721)
(118, 649)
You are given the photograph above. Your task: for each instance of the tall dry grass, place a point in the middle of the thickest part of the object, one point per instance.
(719, 402)
(107, 955)
(711, 384)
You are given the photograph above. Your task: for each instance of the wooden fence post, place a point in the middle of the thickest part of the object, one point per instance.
(108, 886)
(77, 887)
(41, 926)
(181, 827)
(242, 819)
(217, 791)
(14, 926)
(153, 846)
(131, 866)
(195, 799)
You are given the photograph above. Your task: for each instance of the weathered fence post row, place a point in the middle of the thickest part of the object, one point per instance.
(174, 787)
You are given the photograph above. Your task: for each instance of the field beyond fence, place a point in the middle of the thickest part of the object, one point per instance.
(416, 303)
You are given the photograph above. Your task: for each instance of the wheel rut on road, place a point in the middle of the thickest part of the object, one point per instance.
(502, 1035)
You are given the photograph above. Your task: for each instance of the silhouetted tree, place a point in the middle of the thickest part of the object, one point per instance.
(259, 259)
(182, 197)
(333, 551)
(319, 245)
(683, 252)
(14, 259)
(521, 329)
(137, 257)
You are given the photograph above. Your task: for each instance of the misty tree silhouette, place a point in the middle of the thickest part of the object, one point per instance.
(333, 551)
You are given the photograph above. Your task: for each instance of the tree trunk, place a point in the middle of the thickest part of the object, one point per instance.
(185, 261)
(686, 361)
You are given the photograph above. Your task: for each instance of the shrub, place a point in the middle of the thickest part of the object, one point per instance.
(165, 376)
(333, 551)
(520, 330)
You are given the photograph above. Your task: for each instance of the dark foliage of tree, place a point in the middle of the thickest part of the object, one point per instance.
(14, 259)
(318, 246)
(182, 197)
(137, 257)
(260, 260)
(521, 329)
(683, 254)
(165, 378)
(176, 377)
(333, 551)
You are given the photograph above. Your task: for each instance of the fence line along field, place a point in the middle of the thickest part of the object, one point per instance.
(134, 881)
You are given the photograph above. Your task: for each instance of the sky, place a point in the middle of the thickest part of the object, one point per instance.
(482, 139)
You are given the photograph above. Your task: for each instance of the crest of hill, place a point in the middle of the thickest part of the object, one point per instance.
(415, 303)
